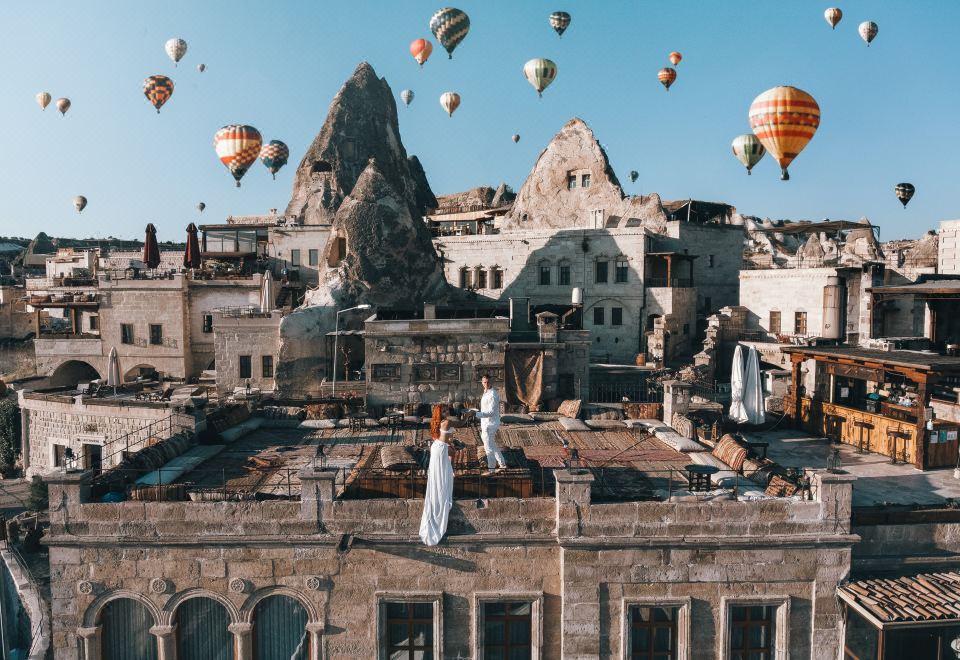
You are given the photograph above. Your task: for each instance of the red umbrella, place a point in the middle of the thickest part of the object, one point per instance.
(191, 258)
(151, 251)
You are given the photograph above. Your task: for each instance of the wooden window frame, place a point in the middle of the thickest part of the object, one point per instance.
(535, 598)
(563, 270)
(606, 271)
(779, 324)
(781, 623)
(619, 270)
(263, 366)
(800, 328)
(132, 338)
(544, 274)
(249, 367)
(159, 336)
(683, 606)
(613, 316)
(433, 597)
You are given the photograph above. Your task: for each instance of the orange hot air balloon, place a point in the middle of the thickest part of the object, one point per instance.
(667, 76)
(421, 49)
(675, 58)
(784, 119)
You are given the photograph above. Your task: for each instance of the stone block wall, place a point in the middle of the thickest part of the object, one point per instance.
(948, 256)
(716, 270)
(254, 336)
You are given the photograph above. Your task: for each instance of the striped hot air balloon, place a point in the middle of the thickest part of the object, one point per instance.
(450, 102)
(43, 100)
(868, 31)
(406, 96)
(666, 76)
(176, 48)
(237, 147)
(785, 119)
(904, 192)
(421, 49)
(560, 21)
(833, 16)
(158, 89)
(540, 72)
(748, 149)
(63, 104)
(274, 155)
(675, 58)
(450, 26)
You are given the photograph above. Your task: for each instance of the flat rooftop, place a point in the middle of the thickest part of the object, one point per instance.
(923, 360)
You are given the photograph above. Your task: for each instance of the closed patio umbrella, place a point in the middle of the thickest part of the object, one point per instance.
(191, 258)
(753, 389)
(151, 250)
(113, 370)
(737, 411)
(267, 293)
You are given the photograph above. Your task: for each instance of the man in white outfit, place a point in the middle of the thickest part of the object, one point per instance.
(489, 415)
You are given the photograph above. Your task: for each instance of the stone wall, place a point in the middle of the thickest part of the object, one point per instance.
(203, 298)
(14, 321)
(255, 336)
(284, 240)
(580, 563)
(948, 257)
(716, 270)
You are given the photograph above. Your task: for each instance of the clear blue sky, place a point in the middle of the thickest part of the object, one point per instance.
(888, 111)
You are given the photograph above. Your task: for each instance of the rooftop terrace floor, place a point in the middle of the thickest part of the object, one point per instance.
(878, 481)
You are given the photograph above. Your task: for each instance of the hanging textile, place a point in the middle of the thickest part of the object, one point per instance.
(126, 631)
(523, 376)
(280, 629)
(202, 632)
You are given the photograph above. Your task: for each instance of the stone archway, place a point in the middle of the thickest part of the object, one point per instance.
(72, 372)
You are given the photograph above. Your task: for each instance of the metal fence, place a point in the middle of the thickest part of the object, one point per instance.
(626, 392)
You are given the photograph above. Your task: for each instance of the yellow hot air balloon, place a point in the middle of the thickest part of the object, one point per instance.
(43, 100)
(450, 102)
(784, 119)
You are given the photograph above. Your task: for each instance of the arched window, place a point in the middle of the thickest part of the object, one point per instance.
(126, 631)
(464, 278)
(202, 632)
(280, 629)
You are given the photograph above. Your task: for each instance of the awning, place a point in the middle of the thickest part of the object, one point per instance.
(929, 598)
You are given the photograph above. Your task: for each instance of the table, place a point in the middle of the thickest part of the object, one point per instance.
(698, 476)
(394, 420)
(762, 446)
(358, 421)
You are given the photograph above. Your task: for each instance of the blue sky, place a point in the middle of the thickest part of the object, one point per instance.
(886, 110)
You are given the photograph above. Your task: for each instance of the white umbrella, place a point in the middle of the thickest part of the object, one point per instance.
(737, 412)
(267, 294)
(753, 389)
(113, 370)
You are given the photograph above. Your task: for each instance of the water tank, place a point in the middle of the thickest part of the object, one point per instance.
(576, 297)
(832, 309)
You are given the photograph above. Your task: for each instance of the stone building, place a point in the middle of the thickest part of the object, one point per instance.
(247, 346)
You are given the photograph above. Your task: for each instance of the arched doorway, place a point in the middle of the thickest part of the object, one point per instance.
(126, 631)
(280, 629)
(72, 372)
(145, 371)
(202, 630)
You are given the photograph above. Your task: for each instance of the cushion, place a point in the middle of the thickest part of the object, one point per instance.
(318, 424)
(570, 408)
(683, 425)
(642, 423)
(679, 443)
(570, 424)
(599, 424)
(516, 418)
(731, 452)
(780, 487)
(545, 416)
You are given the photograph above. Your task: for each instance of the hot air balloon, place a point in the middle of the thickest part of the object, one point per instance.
(406, 96)
(274, 155)
(63, 104)
(748, 150)
(868, 31)
(904, 192)
(201, 206)
(201, 68)
(634, 175)
(666, 77)
(833, 16)
(421, 49)
(176, 48)
(43, 100)
(515, 138)
(540, 72)
(450, 26)
(80, 203)
(158, 89)
(238, 147)
(675, 58)
(560, 21)
(785, 119)
(450, 102)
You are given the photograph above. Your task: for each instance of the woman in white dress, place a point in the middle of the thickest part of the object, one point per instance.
(439, 497)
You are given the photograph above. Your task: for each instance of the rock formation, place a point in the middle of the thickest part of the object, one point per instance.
(425, 199)
(361, 125)
(547, 201)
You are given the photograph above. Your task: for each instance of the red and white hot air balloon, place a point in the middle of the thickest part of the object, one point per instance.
(238, 147)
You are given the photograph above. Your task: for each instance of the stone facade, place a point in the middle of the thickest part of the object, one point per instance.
(581, 565)
(14, 322)
(948, 258)
(254, 336)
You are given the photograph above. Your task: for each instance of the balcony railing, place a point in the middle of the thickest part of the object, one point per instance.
(663, 282)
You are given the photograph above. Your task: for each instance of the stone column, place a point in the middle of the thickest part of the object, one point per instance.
(315, 630)
(68, 490)
(676, 399)
(25, 438)
(91, 642)
(573, 497)
(316, 494)
(834, 491)
(166, 641)
(580, 588)
(242, 640)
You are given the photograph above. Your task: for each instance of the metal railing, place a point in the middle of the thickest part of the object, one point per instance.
(165, 427)
(760, 336)
(662, 282)
(626, 392)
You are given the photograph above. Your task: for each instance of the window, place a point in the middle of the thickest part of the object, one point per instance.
(571, 181)
(245, 366)
(800, 323)
(208, 323)
(585, 181)
(126, 631)
(751, 632)
(709, 261)
(600, 269)
(156, 334)
(708, 303)
(294, 257)
(126, 333)
(564, 274)
(544, 275)
(202, 632)
(266, 366)
(653, 633)
(620, 271)
(598, 315)
(481, 279)
(314, 257)
(464, 277)
(409, 631)
(774, 327)
(59, 455)
(507, 630)
(497, 278)
(94, 323)
(616, 316)
(280, 629)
